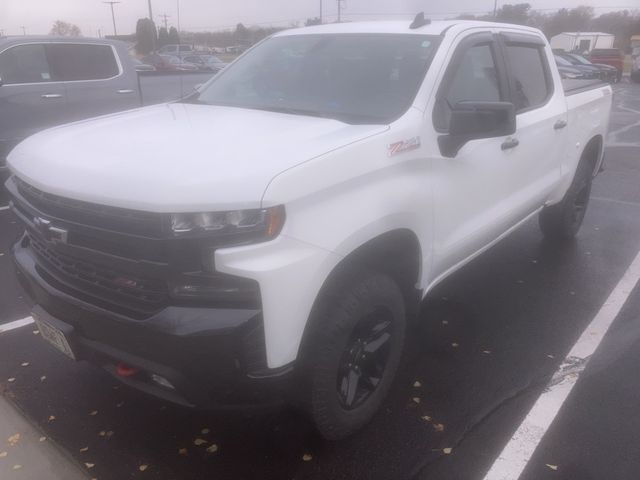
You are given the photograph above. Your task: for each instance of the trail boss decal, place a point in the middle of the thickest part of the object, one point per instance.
(404, 146)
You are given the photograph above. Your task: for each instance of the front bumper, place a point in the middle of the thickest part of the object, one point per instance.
(213, 357)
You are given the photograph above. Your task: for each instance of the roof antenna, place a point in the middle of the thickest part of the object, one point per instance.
(419, 21)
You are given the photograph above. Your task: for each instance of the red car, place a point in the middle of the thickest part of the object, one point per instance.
(608, 56)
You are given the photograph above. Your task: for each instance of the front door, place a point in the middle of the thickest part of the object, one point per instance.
(30, 99)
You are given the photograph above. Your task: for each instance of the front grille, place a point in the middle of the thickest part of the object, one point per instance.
(142, 295)
(105, 217)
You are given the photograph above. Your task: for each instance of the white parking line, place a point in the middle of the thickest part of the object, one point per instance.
(5, 207)
(5, 327)
(516, 454)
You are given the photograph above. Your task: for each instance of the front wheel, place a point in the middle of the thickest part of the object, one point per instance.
(358, 338)
(562, 221)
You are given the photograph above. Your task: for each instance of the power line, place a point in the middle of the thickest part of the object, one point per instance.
(113, 16)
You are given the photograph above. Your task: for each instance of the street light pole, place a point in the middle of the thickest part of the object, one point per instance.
(150, 11)
(495, 8)
(178, 7)
(320, 12)
(24, 30)
(113, 16)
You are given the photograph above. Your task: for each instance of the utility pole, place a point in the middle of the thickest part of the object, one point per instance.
(178, 7)
(320, 12)
(24, 30)
(113, 16)
(495, 8)
(164, 17)
(150, 11)
(340, 3)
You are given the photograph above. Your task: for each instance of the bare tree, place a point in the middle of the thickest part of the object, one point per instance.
(65, 29)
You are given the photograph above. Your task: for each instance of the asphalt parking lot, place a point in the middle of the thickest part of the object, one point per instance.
(489, 341)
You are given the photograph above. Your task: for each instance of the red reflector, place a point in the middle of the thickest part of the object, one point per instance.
(124, 370)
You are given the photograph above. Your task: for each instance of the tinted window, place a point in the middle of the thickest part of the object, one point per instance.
(475, 79)
(82, 62)
(528, 75)
(24, 64)
(185, 48)
(357, 78)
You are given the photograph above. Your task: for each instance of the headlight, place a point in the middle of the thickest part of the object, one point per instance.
(256, 224)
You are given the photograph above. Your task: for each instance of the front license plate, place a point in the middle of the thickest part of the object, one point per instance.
(53, 335)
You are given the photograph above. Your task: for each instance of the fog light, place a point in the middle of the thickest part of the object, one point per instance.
(163, 382)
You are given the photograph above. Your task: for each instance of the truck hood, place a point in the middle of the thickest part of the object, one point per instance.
(177, 157)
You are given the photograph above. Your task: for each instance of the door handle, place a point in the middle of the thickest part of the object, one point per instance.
(51, 95)
(510, 143)
(560, 124)
(125, 91)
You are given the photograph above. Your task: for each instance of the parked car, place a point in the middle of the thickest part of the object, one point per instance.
(169, 63)
(608, 56)
(270, 237)
(175, 49)
(568, 71)
(607, 72)
(635, 69)
(209, 63)
(588, 71)
(47, 81)
(142, 67)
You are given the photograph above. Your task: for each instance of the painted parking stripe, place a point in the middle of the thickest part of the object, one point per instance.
(516, 454)
(5, 327)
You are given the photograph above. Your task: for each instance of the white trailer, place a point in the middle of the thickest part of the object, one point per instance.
(582, 41)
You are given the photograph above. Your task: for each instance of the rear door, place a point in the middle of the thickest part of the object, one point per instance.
(541, 119)
(30, 98)
(95, 80)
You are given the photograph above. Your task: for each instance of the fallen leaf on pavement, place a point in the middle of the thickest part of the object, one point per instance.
(36, 332)
(119, 404)
(445, 322)
(447, 450)
(42, 439)
(102, 433)
(11, 380)
(204, 431)
(199, 441)
(3, 454)
(426, 417)
(51, 418)
(93, 413)
(43, 378)
(455, 345)
(416, 399)
(551, 356)
(486, 351)
(212, 448)
(13, 439)
(109, 434)
(438, 427)
(552, 467)
(25, 364)
(17, 467)
(89, 465)
(84, 449)
(182, 451)
(417, 384)
(307, 457)
(142, 468)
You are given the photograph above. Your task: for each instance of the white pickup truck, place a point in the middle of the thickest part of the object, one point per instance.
(269, 238)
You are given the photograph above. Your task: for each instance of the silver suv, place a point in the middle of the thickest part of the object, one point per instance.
(47, 81)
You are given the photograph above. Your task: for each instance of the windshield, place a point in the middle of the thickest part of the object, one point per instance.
(355, 78)
(562, 61)
(581, 59)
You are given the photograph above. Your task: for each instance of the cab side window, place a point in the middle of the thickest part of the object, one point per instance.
(82, 62)
(530, 84)
(24, 64)
(475, 79)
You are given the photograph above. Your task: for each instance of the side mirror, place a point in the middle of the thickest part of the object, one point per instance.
(476, 120)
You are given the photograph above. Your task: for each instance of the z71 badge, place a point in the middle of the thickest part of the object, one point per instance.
(404, 146)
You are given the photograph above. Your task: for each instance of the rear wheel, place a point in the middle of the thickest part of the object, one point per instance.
(356, 346)
(562, 221)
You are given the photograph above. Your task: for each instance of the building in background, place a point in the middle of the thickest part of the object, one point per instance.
(582, 41)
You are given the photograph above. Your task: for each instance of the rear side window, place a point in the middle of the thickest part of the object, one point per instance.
(24, 64)
(530, 83)
(82, 62)
(475, 79)
(185, 48)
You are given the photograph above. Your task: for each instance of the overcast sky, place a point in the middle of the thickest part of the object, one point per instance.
(37, 16)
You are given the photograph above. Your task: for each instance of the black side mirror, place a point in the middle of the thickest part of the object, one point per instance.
(475, 120)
